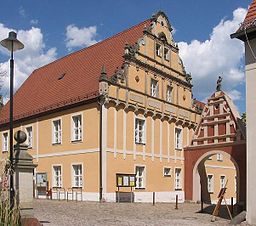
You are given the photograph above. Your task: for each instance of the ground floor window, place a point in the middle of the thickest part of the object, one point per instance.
(210, 183)
(77, 175)
(222, 181)
(178, 184)
(57, 177)
(140, 176)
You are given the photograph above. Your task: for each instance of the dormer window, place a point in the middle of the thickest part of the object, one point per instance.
(166, 54)
(154, 88)
(158, 49)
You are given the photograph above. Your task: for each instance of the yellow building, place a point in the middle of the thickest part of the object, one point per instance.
(121, 106)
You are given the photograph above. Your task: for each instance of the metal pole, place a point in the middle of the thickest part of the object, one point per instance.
(154, 198)
(232, 206)
(176, 203)
(11, 130)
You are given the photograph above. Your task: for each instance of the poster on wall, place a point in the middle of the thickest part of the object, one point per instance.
(41, 179)
(125, 180)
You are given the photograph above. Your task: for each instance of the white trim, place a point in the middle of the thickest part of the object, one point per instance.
(144, 175)
(3, 141)
(225, 179)
(181, 178)
(212, 185)
(115, 131)
(152, 138)
(167, 175)
(161, 140)
(168, 141)
(144, 136)
(72, 174)
(27, 126)
(75, 152)
(178, 147)
(220, 167)
(104, 146)
(124, 132)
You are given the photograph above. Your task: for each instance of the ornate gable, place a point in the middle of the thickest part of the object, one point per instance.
(220, 122)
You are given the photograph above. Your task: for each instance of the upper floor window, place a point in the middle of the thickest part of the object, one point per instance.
(5, 142)
(178, 184)
(169, 94)
(158, 50)
(140, 131)
(77, 175)
(140, 176)
(178, 138)
(76, 127)
(167, 171)
(56, 131)
(29, 132)
(166, 54)
(210, 183)
(57, 177)
(154, 88)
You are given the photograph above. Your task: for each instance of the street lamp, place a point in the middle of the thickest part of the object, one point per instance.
(12, 44)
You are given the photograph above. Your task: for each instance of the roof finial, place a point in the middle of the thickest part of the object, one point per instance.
(103, 74)
(218, 87)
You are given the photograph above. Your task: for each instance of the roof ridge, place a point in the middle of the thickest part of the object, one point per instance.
(96, 44)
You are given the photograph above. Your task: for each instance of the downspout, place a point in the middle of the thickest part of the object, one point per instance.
(100, 154)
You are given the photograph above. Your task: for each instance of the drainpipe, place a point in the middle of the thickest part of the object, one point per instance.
(100, 155)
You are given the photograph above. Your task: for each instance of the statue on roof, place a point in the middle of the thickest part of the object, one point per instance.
(218, 87)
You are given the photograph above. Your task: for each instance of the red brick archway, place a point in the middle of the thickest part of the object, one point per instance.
(193, 155)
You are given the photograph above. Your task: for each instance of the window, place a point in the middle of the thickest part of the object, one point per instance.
(77, 128)
(139, 131)
(154, 88)
(178, 185)
(222, 181)
(169, 94)
(5, 142)
(77, 175)
(57, 180)
(158, 49)
(210, 183)
(219, 157)
(56, 135)
(178, 138)
(29, 136)
(166, 54)
(140, 177)
(167, 171)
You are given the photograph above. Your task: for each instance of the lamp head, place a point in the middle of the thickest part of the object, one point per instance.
(12, 43)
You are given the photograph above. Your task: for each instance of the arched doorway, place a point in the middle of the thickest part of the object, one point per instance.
(211, 172)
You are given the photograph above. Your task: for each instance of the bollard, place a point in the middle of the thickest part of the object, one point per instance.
(154, 198)
(232, 206)
(176, 202)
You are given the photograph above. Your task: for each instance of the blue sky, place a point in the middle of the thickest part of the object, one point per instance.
(52, 29)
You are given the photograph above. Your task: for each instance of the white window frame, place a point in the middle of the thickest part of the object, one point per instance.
(57, 134)
(80, 176)
(222, 183)
(219, 157)
(210, 184)
(29, 140)
(154, 88)
(165, 174)
(57, 178)
(137, 131)
(169, 90)
(178, 138)
(143, 176)
(166, 54)
(158, 50)
(79, 128)
(5, 142)
(178, 180)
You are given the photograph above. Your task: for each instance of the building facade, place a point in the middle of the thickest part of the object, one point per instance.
(120, 107)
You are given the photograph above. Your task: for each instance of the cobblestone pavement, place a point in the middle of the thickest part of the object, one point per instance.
(55, 213)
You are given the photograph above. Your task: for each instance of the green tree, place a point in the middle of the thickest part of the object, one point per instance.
(243, 116)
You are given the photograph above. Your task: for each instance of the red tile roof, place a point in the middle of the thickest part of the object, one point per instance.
(250, 19)
(71, 79)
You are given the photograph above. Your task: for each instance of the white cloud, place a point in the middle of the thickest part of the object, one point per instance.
(80, 37)
(219, 55)
(22, 11)
(235, 95)
(33, 55)
(34, 21)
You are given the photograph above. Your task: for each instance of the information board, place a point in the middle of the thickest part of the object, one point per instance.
(125, 180)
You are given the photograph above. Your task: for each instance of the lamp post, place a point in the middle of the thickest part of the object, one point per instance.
(12, 44)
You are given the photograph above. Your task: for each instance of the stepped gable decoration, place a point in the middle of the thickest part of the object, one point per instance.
(247, 29)
(220, 122)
